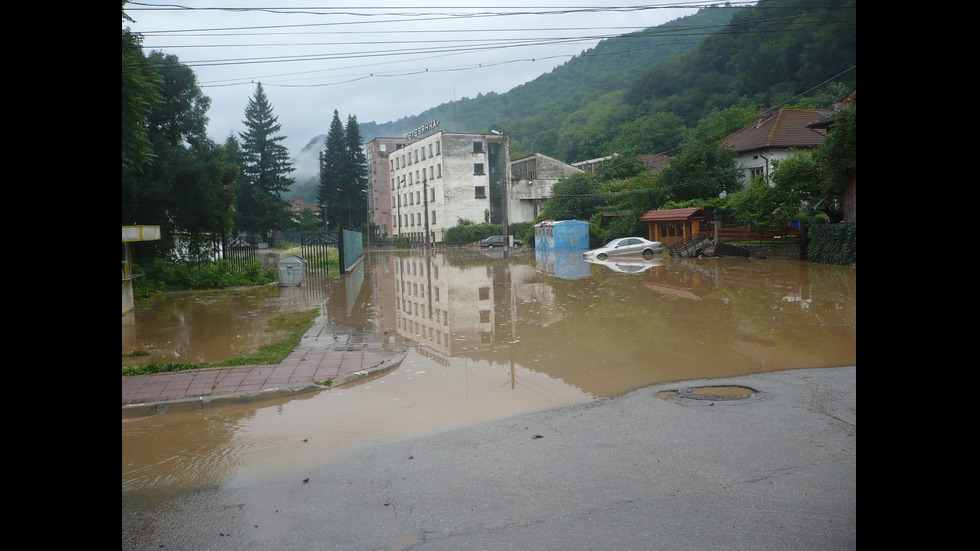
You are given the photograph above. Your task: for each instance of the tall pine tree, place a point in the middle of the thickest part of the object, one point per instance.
(357, 165)
(333, 167)
(265, 169)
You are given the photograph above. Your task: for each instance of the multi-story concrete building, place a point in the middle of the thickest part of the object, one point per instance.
(442, 178)
(378, 153)
(532, 178)
(428, 184)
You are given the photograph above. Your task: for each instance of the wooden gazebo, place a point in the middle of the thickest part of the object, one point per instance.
(671, 226)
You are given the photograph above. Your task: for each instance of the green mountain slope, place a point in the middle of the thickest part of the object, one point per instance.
(608, 67)
(644, 92)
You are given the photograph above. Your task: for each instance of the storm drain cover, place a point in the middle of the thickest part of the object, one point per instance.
(713, 393)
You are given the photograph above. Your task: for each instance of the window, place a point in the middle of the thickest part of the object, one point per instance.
(439, 170)
(433, 217)
(480, 193)
(438, 149)
(477, 147)
(478, 169)
(484, 316)
(754, 172)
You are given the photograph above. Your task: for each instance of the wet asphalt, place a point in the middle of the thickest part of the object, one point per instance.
(672, 466)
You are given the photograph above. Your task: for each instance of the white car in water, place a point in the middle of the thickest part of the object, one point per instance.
(626, 246)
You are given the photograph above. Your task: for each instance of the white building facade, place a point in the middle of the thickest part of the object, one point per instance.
(442, 178)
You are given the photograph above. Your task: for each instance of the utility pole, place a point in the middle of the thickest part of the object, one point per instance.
(506, 156)
(326, 225)
(425, 206)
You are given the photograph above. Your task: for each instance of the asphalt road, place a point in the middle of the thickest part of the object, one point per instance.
(771, 469)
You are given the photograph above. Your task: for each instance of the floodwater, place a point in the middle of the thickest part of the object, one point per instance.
(490, 335)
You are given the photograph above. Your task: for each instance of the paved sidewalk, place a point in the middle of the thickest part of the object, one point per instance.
(322, 355)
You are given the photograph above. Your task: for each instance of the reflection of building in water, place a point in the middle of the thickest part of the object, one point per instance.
(439, 303)
(682, 280)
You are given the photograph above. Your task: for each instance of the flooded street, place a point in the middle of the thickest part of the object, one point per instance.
(490, 335)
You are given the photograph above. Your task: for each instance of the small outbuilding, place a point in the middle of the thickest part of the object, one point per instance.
(674, 225)
(561, 235)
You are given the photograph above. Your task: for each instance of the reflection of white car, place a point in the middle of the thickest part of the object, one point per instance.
(626, 246)
(626, 266)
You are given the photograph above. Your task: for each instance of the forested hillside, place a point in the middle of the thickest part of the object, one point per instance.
(645, 92)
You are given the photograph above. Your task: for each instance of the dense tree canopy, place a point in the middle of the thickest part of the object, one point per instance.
(173, 176)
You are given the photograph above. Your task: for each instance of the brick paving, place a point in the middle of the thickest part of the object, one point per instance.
(321, 356)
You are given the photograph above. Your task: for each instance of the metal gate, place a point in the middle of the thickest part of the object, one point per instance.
(240, 253)
(315, 249)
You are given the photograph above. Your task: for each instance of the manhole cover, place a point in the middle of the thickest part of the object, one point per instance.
(714, 393)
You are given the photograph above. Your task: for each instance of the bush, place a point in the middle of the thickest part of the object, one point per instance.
(833, 244)
(164, 275)
(471, 233)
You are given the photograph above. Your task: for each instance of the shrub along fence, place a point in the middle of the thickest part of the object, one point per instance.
(833, 243)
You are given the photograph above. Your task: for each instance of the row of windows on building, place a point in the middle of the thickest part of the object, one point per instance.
(434, 172)
(407, 158)
(410, 220)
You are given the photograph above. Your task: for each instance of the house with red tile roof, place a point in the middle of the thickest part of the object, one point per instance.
(776, 136)
(298, 205)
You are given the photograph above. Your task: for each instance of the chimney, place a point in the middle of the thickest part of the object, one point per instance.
(762, 113)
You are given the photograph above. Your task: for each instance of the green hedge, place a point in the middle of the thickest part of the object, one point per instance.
(471, 233)
(833, 244)
(164, 275)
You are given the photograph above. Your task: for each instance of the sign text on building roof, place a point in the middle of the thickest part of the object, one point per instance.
(418, 132)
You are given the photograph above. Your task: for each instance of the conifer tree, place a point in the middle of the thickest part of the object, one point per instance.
(332, 169)
(265, 169)
(357, 166)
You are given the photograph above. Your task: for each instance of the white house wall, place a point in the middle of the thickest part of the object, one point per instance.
(762, 160)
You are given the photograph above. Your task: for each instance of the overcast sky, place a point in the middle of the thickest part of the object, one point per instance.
(377, 60)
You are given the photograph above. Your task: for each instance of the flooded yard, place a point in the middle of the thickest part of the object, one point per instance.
(491, 335)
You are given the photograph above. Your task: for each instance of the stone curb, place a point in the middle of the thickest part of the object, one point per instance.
(135, 411)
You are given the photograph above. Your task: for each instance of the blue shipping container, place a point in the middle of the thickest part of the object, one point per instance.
(550, 235)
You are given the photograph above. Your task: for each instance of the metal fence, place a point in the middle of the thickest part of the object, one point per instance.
(240, 253)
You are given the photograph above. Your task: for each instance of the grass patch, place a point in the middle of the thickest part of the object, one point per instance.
(288, 327)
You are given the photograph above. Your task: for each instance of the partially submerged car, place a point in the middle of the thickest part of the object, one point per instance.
(626, 246)
(498, 241)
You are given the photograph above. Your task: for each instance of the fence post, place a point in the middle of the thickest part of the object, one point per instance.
(340, 250)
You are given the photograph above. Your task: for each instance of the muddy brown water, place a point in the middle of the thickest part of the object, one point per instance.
(490, 335)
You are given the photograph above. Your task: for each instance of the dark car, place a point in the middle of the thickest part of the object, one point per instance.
(498, 241)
